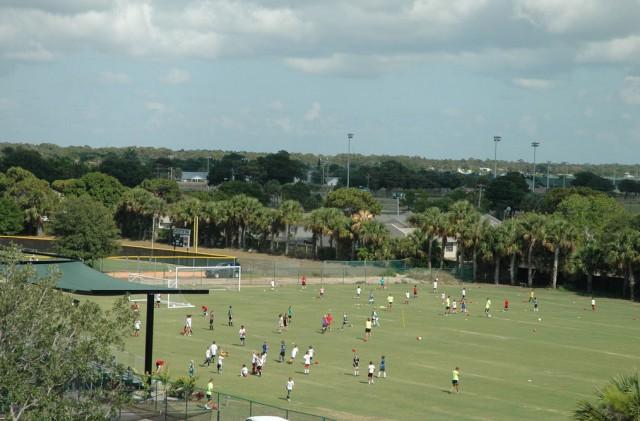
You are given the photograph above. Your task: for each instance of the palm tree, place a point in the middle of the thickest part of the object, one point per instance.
(245, 209)
(512, 233)
(373, 233)
(291, 213)
(462, 218)
(533, 225)
(559, 235)
(314, 222)
(336, 227)
(618, 400)
(491, 248)
(358, 220)
(590, 257)
(429, 224)
(623, 252)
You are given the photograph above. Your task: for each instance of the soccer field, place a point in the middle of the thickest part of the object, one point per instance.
(513, 365)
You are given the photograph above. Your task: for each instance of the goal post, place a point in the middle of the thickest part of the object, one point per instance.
(221, 277)
(170, 300)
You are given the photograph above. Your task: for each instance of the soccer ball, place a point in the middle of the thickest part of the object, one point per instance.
(539, 319)
(419, 338)
(490, 316)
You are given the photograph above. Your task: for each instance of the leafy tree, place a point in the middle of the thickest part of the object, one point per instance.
(11, 217)
(510, 244)
(559, 236)
(230, 167)
(618, 400)
(629, 187)
(33, 196)
(85, 229)
(430, 225)
(554, 197)
(48, 345)
(290, 214)
(244, 209)
(507, 191)
(127, 168)
(623, 253)
(301, 192)
(591, 256)
(279, 166)
(593, 181)
(136, 212)
(416, 200)
(352, 200)
(233, 188)
(462, 218)
(532, 228)
(70, 187)
(103, 188)
(165, 189)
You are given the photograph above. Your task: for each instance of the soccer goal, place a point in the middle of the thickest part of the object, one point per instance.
(170, 300)
(227, 277)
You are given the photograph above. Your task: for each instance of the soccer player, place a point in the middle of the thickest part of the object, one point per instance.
(415, 291)
(273, 285)
(230, 316)
(289, 315)
(593, 304)
(265, 348)
(382, 282)
(294, 353)
(487, 307)
(370, 370)
(188, 323)
(435, 285)
(345, 320)
(375, 319)
(367, 329)
(371, 299)
(207, 358)
(443, 297)
(211, 320)
(213, 348)
(243, 335)
(506, 304)
(136, 327)
(192, 369)
(158, 299)
(321, 292)
(407, 295)
(307, 362)
(464, 293)
(447, 307)
(303, 282)
(244, 371)
(535, 304)
(311, 352)
(283, 351)
(356, 365)
(463, 306)
(209, 395)
(454, 306)
(455, 380)
(329, 321)
(532, 295)
(390, 301)
(382, 370)
(358, 291)
(280, 323)
(219, 365)
(290, 385)
(205, 311)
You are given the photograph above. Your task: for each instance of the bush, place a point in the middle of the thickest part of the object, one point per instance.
(183, 387)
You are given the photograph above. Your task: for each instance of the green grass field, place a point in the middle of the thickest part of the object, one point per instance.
(513, 366)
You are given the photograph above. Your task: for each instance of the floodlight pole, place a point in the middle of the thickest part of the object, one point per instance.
(534, 145)
(496, 139)
(148, 337)
(349, 138)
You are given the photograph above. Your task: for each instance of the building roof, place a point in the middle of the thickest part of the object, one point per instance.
(78, 278)
(194, 175)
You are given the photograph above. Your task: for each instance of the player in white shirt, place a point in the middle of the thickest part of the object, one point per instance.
(311, 352)
(370, 369)
(593, 304)
(294, 353)
(307, 362)
(213, 348)
(219, 365)
(243, 335)
(358, 291)
(290, 385)
(244, 371)
(188, 323)
(207, 358)
(136, 327)
(435, 285)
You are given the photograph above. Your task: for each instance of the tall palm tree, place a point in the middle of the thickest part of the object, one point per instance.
(373, 234)
(591, 257)
(430, 224)
(491, 248)
(559, 235)
(618, 400)
(314, 222)
(291, 213)
(533, 226)
(337, 227)
(462, 218)
(245, 210)
(358, 220)
(472, 238)
(511, 230)
(623, 252)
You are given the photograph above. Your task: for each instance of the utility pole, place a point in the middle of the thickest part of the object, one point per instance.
(534, 145)
(480, 186)
(548, 165)
(349, 138)
(496, 139)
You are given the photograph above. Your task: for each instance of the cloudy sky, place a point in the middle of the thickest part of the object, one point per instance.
(436, 78)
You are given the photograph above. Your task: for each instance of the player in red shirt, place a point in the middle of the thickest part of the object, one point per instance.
(506, 304)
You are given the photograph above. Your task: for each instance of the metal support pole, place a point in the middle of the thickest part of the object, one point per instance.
(349, 137)
(148, 342)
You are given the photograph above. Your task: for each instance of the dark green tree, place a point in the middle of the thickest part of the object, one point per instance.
(163, 188)
(127, 168)
(507, 191)
(302, 193)
(11, 217)
(48, 345)
(103, 188)
(593, 181)
(351, 200)
(618, 400)
(279, 166)
(85, 229)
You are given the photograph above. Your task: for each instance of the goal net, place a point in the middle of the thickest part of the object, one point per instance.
(227, 277)
(170, 300)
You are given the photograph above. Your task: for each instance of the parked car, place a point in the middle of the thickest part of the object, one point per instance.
(224, 270)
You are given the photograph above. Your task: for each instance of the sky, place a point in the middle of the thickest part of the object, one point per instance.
(432, 78)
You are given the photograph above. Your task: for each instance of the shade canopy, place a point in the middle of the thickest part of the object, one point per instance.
(78, 278)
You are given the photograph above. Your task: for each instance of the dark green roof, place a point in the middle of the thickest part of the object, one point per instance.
(79, 278)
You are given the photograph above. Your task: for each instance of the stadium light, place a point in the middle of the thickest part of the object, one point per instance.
(349, 138)
(534, 145)
(496, 139)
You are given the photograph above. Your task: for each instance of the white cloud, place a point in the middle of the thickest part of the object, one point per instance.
(35, 52)
(618, 50)
(284, 124)
(535, 84)
(114, 77)
(446, 12)
(313, 113)
(156, 107)
(176, 77)
(630, 92)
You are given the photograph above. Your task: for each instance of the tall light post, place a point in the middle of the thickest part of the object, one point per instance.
(496, 139)
(349, 138)
(534, 145)
(548, 165)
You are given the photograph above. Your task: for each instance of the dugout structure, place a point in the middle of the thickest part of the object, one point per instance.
(78, 278)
